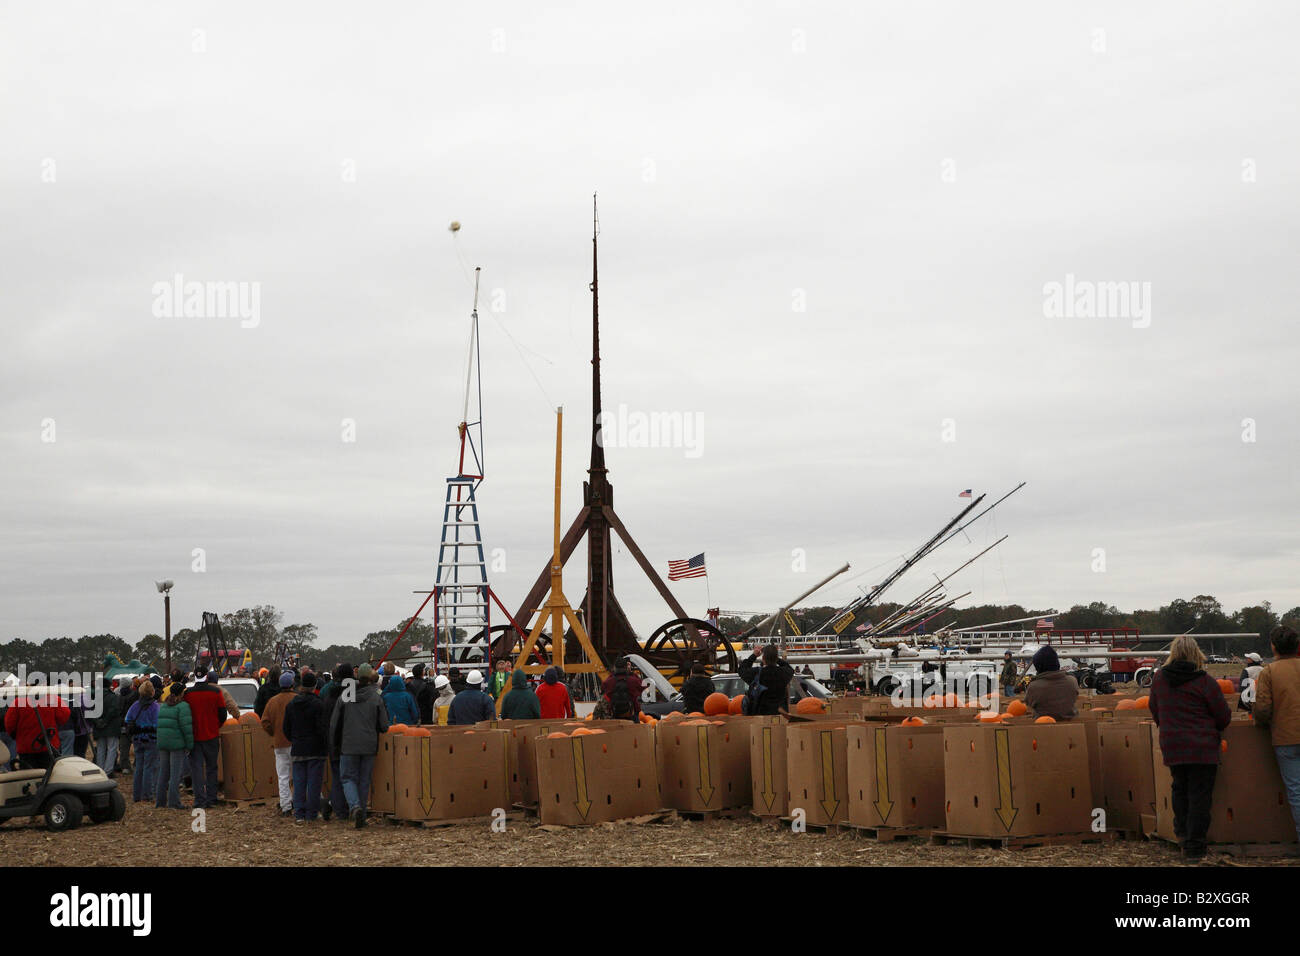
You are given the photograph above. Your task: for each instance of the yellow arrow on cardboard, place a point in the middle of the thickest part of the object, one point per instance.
(580, 779)
(884, 806)
(427, 796)
(250, 784)
(1006, 808)
(706, 789)
(830, 799)
(768, 794)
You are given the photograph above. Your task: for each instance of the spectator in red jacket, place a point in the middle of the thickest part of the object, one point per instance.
(207, 703)
(553, 696)
(23, 725)
(1188, 707)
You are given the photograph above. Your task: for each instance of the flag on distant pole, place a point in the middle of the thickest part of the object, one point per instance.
(416, 648)
(687, 568)
(964, 494)
(1044, 623)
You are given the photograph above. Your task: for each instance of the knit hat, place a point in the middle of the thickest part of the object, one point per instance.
(286, 679)
(1045, 660)
(366, 673)
(344, 672)
(309, 680)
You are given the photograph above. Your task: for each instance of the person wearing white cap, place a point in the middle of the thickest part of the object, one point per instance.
(1249, 674)
(471, 705)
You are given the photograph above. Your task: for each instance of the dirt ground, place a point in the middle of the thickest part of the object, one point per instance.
(259, 837)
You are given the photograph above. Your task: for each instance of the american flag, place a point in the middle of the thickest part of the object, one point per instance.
(687, 568)
(416, 648)
(1044, 622)
(964, 494)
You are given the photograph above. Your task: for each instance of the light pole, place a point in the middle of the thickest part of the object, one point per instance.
(165, 589)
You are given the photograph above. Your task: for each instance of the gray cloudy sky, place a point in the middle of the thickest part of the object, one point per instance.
(911, 175)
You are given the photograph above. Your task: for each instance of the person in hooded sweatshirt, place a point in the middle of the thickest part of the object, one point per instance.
(1052, 692)
(175, 741)
(471, 705)
(1191, 712)
(420, 689)
(520, 703)
(553, 696)
(696, 688)
(401, 705)
(355, 727)
(337, 803)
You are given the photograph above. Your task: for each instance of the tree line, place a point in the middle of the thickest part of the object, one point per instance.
(260, 629)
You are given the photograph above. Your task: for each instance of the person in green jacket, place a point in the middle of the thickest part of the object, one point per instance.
(175, 741)
(521, 703)
(500, 678)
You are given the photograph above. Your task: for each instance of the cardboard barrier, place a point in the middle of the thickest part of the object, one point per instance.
(705, 766)
(770, 788)
(816, 768)
(451, 774)
(1016, 779)
(597, 778)
(895, 775)
(1128, 783)
(522, 761)
(247, 762)
(1249, 804)
(381, 778)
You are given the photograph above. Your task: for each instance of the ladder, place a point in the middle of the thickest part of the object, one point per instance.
(460, 608)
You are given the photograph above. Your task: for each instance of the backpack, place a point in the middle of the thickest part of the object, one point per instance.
(749, 705)
(620, 699)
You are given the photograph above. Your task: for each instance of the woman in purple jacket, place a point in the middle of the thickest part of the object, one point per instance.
(1188, 707)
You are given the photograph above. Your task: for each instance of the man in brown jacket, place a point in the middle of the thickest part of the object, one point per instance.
(1052, 692)
(1277, 706)
(273, 724)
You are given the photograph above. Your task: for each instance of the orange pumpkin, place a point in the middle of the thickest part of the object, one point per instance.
(672, 715)
(734, 707)
(1142, 703)
(231, 722)
(1045, 720)
(695, 723)
(396, 728)
(1223, 745)
(810, 705)
(951, 700)
(419, 732)
(1017, 708)
(1126, 704)
(1225, 685)
(583, 732)
(558, 733)
(716, 703)
(913, 722)
(989, 717)
(696, 713)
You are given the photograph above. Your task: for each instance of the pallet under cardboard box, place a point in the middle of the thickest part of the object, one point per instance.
(895, 776)
(1015, 780)
(454, 773)
(597, 778)
(704, 763)
(246, 759)
(1249, 804)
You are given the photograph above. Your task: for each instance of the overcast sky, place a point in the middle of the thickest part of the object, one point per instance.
(829, 234)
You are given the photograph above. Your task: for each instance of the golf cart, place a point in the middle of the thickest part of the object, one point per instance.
(71, 787)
